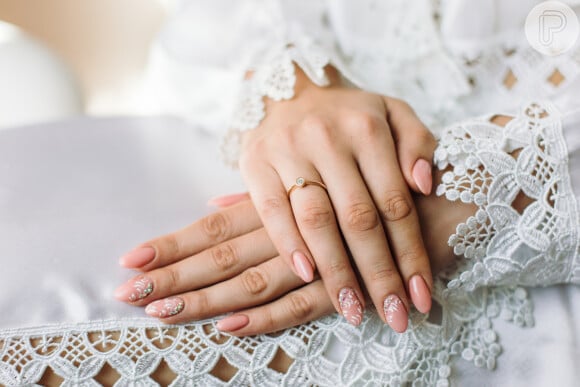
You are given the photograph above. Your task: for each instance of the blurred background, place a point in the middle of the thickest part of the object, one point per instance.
(64, 58)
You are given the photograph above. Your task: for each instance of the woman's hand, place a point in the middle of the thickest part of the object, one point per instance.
(366, 149)
(226, 262)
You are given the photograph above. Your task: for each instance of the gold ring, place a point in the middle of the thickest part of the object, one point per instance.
(302, 182)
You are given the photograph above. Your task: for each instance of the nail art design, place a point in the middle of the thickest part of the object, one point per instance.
(165, 308)
(392, 306)
(350, 306)
(142, 287)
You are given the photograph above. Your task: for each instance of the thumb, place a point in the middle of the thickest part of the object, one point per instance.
(415, 145)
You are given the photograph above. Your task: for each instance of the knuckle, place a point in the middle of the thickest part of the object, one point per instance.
(383, 273)
(201, 303)
(216, 226)
(367, 124)
(174, 278)
(409, 255)
(396, 206)
(337, 267)
(315, 216)
(169, 246)
(224, 257)
(268, 322)
(319, 128)
(300, 307)
(361, 217)
(271, 206)
(254, 281)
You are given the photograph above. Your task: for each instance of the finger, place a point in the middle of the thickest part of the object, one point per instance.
(228, 200)
(271, 201)
(380, 169)
(362, 228)
(255, 286)
(317, 223)
(206, 232)
(300, 306)
(415, 144)
(212, 265)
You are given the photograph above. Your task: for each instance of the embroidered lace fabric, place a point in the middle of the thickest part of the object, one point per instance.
(375, 355)
(273, 78)
(483, 173)
(501, 246)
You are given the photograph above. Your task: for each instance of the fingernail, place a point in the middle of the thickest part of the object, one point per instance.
(302, 266)
(233, 323)
(422, 176)
(395, 313)
(350, 306)
(134, 290)
(165, 308)
(227, 200)
(420, 294)
(138, 257)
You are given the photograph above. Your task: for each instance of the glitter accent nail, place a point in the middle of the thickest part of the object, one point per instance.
(350, 306)
(165, 308)
(395, 313)
(142, 287)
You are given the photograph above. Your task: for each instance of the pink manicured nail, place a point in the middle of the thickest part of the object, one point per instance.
(227, 200)
(422, 176)
(350, 306)
(165, 308)
(134, 290)
(395, 313)
(233, 323)
(302, 266)
(137, 258)
(420, 294)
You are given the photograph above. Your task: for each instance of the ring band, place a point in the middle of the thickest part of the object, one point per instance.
(302, 182)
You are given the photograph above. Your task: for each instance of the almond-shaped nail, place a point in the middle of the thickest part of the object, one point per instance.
(233, 323)
(396, 313)
(134, 290)
(165, 308)
(350, 306)
(423, 176)
(420, 294)
(227, 200)
(138, 257)
(302, 266)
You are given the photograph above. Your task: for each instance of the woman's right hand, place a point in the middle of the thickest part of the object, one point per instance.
(352, 155)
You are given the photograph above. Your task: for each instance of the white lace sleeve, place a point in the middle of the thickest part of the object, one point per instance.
(305, 41)
(501, 246)
(273, 76)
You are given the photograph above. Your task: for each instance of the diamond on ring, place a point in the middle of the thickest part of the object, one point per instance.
(300, 182)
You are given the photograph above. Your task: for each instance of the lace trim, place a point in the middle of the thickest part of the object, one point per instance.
(501, 246)
(372, 354)
(274, 78)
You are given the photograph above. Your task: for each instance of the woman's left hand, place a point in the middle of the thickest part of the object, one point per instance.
(222, 263)
(226, 262)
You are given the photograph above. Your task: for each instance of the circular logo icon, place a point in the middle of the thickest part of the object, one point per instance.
(552, 28)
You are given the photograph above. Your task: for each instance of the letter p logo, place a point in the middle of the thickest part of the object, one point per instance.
(552, 28)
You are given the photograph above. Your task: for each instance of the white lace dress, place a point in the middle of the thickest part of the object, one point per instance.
(452, 60)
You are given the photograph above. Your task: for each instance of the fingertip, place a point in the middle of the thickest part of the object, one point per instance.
(302, 266)
(233, 323)
(422, 175)
(227, 200)
(138, 257)
(420, 294)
